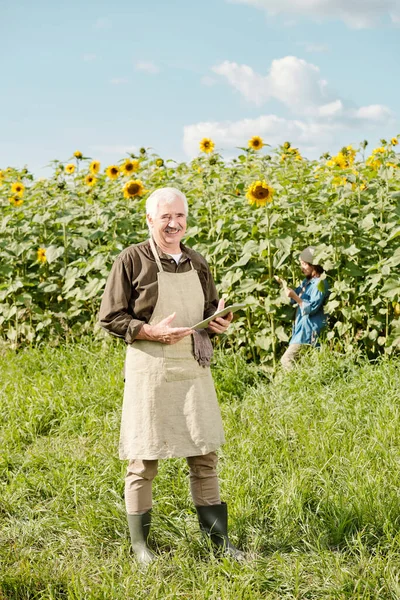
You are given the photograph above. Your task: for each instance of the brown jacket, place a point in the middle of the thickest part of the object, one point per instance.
(131, 291)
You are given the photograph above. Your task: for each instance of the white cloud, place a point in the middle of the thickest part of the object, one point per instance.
(119, 80)
(374, 112)
(299, 86)
(357, 14)
(291, 80)
(331, 109)
(114, 149)
(89, 57)
(147, 66)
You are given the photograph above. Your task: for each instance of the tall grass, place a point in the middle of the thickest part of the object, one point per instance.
(310, 472)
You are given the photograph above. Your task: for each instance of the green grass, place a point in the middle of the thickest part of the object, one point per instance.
(310, 472)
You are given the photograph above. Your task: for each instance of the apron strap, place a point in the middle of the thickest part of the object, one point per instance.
(155, 253)
(157, 258)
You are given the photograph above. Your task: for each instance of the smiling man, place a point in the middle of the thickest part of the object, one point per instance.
(155, 292)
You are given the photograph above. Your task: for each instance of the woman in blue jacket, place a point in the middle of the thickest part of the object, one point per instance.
(310, 298)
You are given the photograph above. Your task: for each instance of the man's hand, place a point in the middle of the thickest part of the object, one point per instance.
(163, 333)
(221, 324)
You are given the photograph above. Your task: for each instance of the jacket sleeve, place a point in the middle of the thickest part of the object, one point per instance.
(114, 314)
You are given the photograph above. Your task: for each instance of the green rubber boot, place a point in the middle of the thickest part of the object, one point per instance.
(139, 528)
(214, 523)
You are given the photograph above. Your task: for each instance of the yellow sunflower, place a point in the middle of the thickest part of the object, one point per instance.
(259, 193)
(41, 255)
(94, 167)
(70, 168)
(130, 166)
(159, 162)
(18, 188)
(206, 145)
(256, 142)
(90, 180)
(16, 201)
(133, 188)
(291, 153)
(394, 141)
(375, 160)
(78, 154)
(112, 171)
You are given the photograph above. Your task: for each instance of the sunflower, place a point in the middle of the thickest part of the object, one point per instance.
(90, 180)
(41, 255)
(375, 160)
(133, 188)
(18, 188)
(291, 153)
(286, 145)
(130, 166)
(207, 145)
(70, 168)
(16, 201)
(94, 167)
(112, 172)
(259, 193)
(78, 154)
(159, 162)
(256, 142)
(394, 141)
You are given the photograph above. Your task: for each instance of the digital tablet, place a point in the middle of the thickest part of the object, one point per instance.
(220, 313)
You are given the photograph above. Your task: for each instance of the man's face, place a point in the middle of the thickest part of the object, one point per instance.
(169, 225)
(306, 268)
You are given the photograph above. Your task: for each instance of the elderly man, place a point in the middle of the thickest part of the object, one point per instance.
(310, 298)
(156, 291)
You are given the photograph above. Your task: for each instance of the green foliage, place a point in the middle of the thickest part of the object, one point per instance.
(350, 210)
(309, 472)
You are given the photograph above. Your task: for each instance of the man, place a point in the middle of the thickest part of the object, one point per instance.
(310, 297)
(155, 292)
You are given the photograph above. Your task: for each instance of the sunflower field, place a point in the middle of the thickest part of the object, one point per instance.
(250, 217)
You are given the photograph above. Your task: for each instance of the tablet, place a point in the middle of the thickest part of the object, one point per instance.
(220, 313)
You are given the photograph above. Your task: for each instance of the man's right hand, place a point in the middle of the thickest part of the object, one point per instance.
(163, 332)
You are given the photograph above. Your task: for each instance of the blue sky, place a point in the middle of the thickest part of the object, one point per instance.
(109, 79)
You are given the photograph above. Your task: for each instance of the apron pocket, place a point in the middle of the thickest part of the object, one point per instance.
(183, 369)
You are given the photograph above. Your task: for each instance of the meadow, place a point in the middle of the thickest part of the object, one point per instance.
(309, 471)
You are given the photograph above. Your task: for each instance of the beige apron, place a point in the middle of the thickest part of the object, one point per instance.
(170, 407)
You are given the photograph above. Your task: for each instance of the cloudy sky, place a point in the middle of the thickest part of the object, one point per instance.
(107, 79)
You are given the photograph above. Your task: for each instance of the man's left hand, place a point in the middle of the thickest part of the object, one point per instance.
(221, 324)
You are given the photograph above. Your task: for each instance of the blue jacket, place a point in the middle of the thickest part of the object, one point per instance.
(310, 317)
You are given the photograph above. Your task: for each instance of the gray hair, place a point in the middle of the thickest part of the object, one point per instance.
(165, 194)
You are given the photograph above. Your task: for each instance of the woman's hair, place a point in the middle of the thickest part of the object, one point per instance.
(318, 269)
(165, 194)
